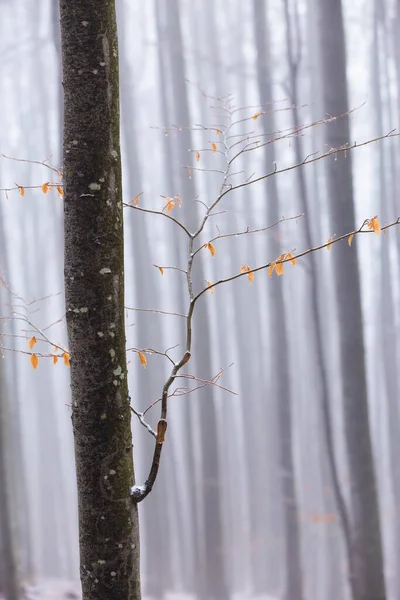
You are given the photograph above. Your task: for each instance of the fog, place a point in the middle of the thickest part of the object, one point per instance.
(280, 474)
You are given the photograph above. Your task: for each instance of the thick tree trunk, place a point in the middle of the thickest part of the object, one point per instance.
(368, 570)
(94, 285)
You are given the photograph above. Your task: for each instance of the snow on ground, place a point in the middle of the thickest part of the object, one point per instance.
(55, 589)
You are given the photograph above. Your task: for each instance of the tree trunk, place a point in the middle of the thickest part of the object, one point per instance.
(312, 292)
(9, 580)
(94, 286)
(210, 577)
(278, 330)
(368, 570)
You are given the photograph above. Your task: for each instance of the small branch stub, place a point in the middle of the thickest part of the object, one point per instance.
(161, 429)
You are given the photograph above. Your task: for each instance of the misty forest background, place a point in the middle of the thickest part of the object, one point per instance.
(245, 478)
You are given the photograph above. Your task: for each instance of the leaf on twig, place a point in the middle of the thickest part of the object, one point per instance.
(32, 342)
(34, 361)
(21, 190)
(136, 200)
(170, 204)
(197, 155)
(210, 287)
(218, 131)
(211, 248)
(160, 269)
(246, 269)
(279, 270)
(290, 256)
(55, 359)
(60, 191)
(143, 359)
(374, 225)
(350, 239)
(214, 147)
(271, 269)
(329, 244)
(65, 356)
(45, 188)
(255, 116)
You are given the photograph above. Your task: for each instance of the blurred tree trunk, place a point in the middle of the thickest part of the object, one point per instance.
(9, 575)
(277, 327)
(387, 316)
(293, 47)
(368, 564)
(210, 577)
(94, 285)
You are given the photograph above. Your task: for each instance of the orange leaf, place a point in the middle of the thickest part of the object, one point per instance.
(214, 147)
(45, 188)
(55, 359)
(65, 357)
(350, 239)
(271, 269)
(211, 248)
(143, 359)
(255, 117)
(160, 269)
(34, 360)
(291, 257)
(211, 289)
(32, 342)
(22, 192)
(217, 131)
(170, 204)
(246, 269)
(60, 190)
(375, 225)
(279, 268)
(329, 243)
(197, 155)
(136, 201)
(178, 200)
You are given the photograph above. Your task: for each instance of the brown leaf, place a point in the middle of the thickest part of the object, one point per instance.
(350, 239)
(197, 155)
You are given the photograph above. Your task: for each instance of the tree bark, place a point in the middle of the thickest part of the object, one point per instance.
(368, 570)
(94, 287)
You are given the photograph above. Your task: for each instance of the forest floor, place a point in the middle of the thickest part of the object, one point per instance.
(66, 590)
